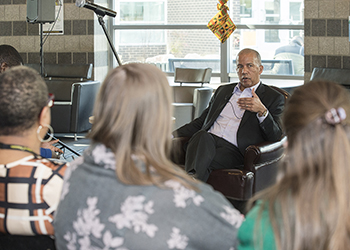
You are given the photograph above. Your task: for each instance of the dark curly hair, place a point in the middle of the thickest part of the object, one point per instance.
(10, 56)
(23, 94)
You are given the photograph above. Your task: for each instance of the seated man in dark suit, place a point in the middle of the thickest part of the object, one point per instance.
(238, 115)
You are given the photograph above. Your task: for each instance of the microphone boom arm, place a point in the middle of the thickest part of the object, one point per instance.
(102, 23)
(101, 11)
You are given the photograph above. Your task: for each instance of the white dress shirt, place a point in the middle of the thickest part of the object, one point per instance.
(227, 123)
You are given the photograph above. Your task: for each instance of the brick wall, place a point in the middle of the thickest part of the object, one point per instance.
(326, 35)
(75, 46)
(138, 53)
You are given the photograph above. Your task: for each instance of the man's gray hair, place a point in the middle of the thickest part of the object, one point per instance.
(247, 50)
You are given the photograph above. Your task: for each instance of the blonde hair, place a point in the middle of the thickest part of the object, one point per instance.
(132, 117)
(309, 205)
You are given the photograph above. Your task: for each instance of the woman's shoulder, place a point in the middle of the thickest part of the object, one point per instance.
(202, 206)
(38, 163)
(36, 172)
(54, 164)
(165, 212)
(258, 222)
(45, 167)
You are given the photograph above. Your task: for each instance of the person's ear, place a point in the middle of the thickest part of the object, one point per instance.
(261, 68)
(4, 66)
(45, 116)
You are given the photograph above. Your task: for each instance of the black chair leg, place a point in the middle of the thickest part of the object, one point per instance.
(239, 205)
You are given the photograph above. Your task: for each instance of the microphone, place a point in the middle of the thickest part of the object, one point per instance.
(99, 10)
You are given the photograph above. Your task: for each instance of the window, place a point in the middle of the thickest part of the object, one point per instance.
(141, 12)
(271, 30)
(272, 11)
(172, 33)
(295, 12)
(246, 8)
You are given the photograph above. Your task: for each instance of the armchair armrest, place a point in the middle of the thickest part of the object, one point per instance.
(264, 152)
(259, 170)
(262, 160)
(83, 100)
(233, 183)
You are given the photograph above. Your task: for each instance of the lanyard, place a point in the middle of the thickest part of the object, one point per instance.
(18, 147)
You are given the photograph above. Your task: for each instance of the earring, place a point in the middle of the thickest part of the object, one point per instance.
(38, 133)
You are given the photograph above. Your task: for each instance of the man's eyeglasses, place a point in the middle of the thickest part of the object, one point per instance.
(50, 100)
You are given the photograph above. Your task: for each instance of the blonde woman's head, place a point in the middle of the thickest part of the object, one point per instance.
(309, 104)
(133, 108)
(313, 140)
(133, 117)
(312, 193)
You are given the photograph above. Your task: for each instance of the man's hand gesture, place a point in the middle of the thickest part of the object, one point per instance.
(252, 104)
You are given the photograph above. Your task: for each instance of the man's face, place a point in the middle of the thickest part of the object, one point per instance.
(248, 69)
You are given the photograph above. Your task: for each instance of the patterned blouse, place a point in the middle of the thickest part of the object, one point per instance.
(97, 211)
(29, 194)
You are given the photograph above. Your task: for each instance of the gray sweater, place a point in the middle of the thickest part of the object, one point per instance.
(97, 211)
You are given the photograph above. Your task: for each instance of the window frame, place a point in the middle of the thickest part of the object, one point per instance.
(225, 73)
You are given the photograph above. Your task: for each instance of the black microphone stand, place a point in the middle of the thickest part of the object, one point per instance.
(102, 23)
(101, 12)
(41, 49)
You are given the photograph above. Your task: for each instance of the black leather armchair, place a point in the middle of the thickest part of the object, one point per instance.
(341, 76)
(259, 169)
(74, 96)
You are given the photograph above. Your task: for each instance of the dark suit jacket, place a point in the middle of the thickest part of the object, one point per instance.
(250, 131)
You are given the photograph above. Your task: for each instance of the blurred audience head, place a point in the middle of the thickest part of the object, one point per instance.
(309, 205)
(315, 115)
(9, 57)
(132, 116)
(23, 97)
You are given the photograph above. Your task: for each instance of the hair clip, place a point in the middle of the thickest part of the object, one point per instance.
(335, 116)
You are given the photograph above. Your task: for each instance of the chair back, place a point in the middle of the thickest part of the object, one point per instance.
(283, 92)
(189, 103)
(80, 72)
(341, 76)
(184, 75)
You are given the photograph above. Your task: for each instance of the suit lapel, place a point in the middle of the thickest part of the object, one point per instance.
(219, 106)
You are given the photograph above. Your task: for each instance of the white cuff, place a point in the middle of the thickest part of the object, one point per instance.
(262, 118)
